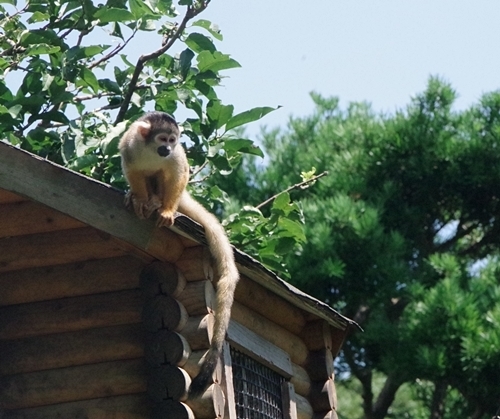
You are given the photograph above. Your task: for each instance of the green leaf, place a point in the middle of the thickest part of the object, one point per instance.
(39, 49)
(139, 8)
(291, 228)
(198, 43)
(215, 61)
(210, 27)
(38, 17)
(242, 146)
(110, 86)
(113, 14)
(78, 53)
(219, 113)
(248, 116)
(185, 62)
(14, 110)
(89, 79)
(282, 201)
(13, 2)
(221, 163)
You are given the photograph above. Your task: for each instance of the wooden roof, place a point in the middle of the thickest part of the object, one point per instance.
(98, 205)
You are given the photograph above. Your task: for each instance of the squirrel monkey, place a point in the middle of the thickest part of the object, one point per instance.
(157, 170)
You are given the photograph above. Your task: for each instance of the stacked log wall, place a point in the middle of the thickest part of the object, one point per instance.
(71, 338)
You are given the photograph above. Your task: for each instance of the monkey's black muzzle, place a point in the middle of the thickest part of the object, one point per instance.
(163, 151)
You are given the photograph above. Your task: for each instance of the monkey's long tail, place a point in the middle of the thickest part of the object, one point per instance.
(222, 253)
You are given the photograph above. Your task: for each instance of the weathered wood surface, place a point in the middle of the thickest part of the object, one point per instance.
(323, 396)
(72, 384)
(70, 314)
(259, 349)
(210, 404)
(198, 331)
(193, 365)
(317, 335)
(64, 190)
(71, 349)
(171, 409)
(300, 380)
(288, 398)
(56, 248)
(338, 337)
(250, 268)
(304, 408)
(161, 278)
(7, 197)
(198, 297)
(331, 414)
(195, 263)
(69, 280)
(275, 334)
(227, 383)
(167, 382)
(270, 305)
(319, 365)
(164, 312)
(29, 217)
(166, 347)
(130, 406)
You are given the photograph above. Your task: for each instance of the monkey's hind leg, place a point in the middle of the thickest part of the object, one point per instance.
(138, 196)
(170, 194)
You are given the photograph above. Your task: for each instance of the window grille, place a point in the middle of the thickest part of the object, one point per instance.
(257, 388)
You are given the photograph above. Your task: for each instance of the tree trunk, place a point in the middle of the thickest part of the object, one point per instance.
(438, 400)
(387, 395)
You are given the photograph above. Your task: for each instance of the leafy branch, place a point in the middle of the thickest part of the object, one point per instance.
(167, 44)
(301, 185)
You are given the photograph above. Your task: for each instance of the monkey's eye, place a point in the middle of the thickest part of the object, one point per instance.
(171, 140)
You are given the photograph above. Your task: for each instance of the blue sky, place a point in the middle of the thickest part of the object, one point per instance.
(378, 51)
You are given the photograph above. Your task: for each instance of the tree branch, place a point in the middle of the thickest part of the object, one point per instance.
(190, 13)
(387, 394)
(115, 51)
(296, 186)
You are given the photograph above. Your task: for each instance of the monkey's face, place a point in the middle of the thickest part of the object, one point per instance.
(165, 141)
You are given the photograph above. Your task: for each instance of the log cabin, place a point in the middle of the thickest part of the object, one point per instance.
(105, 316)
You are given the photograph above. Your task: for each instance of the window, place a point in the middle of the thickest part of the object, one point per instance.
(257, 388)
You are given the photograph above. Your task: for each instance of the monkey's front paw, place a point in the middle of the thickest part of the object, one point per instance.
(165, 219)
(152, 205)
(138, 205)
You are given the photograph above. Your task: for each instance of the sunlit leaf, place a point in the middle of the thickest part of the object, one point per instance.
(248, 116)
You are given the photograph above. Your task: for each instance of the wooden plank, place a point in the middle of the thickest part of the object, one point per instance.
(7, 197)
(317, 335)
(85, 199)
(289, 404)
(29, 217)
(133, 406)
(270, 305)
(69, 280)
(70, 314)
(277, 335)
(259, 349)
(258, 273)
(56, 248)
(71, 349)
(106, 379)
(230, 408)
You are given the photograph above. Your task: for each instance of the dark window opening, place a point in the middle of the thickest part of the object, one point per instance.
(257, 388)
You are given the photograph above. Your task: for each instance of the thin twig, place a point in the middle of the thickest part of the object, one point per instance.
(190, 13)
(296, 186)
(115, 51)
(199, 169)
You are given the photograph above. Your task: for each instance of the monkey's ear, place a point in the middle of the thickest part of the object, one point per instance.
(143, 128)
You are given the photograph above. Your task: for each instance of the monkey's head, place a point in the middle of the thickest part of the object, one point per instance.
(159, 130)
